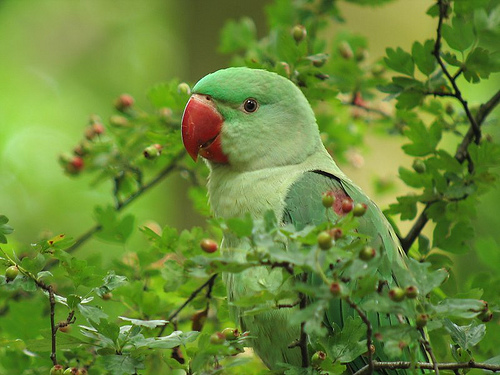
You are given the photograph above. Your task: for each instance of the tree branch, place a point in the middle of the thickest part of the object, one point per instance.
(428, 349)
(428, 366)
(209, 283)
(370, 367)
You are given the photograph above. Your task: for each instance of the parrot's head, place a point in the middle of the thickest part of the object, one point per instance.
(248, 119)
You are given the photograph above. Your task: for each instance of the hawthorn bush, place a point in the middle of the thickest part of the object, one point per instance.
(162, 307)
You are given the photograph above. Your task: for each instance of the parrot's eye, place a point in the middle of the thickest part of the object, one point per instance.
(250, 105)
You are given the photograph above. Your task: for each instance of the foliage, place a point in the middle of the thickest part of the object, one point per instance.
(162, 308)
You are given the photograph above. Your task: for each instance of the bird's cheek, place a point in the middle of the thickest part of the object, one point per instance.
(201, 129)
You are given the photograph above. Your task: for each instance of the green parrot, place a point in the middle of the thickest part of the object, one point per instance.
(259, 137)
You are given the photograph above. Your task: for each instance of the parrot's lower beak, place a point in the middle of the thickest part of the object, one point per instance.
(201, 127)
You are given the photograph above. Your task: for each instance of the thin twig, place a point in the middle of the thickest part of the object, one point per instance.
(428, 366)
(303, 335)
(369, 332)
(429, 350)
(209, 283)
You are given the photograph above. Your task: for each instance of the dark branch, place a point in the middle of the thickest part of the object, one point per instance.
(428, 366)
(303, 335)
(209, 283)
(370, 367)
(428, 349)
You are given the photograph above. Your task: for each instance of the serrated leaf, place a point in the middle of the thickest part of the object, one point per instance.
(422, 55)
(460, 36)
(459, 308)
(348, 343)
(465, 336)
(242, 227)
(400, 61)
(479, 65)
(120, 364)
(176, 338)
(237, 35)
(91, 313)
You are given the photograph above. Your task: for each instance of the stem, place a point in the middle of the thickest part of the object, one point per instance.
(209, 283)
(303, 334)
(428, 348)
(370, 367)
(428, 366)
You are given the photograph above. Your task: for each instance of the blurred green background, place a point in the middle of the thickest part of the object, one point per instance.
(64, 60)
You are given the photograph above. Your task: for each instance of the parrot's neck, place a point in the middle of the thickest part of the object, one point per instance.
(234, 192)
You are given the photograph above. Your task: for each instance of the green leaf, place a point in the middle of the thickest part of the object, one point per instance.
(459, 308)
(479, 65)
(348, 343)
(423, 57)
(409, 99)
(145, 323)
(424, 141)
(488, 252)
(4, 228)
(453, 238)
(119, 364)
(460, 36)
(113, 228)
(400, 61)
(465, 336)
(425, 278)
(242, 227)
(237, 35)
(176, 338)
(91, 313)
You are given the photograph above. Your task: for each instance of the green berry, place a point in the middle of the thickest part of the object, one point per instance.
(324, 241)
(337, 233)
(152, 152)
(299, 33)
(11, 273)
(184, 88)
(419, 166)
(231, 333)
(327, 200)
(118, 121)
(422, 320)
(217, 338)
(411, 292)
(335, 289)
(397, 294)
(359, 209)
(71, 371)
(378, 70)
(107, 296)
(367, 253)
(208, 245)
(318, 358)
(57, 370)
(345, 50)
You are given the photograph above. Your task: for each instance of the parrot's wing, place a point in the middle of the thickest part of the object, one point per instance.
(303, 206)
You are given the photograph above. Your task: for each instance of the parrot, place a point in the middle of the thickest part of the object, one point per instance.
(259, 137)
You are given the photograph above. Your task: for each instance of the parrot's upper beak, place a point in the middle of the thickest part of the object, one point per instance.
(201, 127)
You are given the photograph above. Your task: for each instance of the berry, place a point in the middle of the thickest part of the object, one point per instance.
(75, 165)
(107, 296)
(98, 128)
(198, 320)
(208, 245)
(184, 88)
(324, 240)
(299, 33)
(71, 371)
(397, 294)
(367, 253)
(359, 209)
(152, 152)
(335, 289)
(336, 233)
(345, 50)
(378, 70)
(318, 358)
(411, 292)
(165, 113)
(361, 54)
(118, 121)
(64, 327)
(57, 370)
(485, 316)
(422, 320)
(419, 166)
(231, 333)
(347, 205)
(11, 273)
(327, 200)
(217, 338)
(449, 109)
(124, 102)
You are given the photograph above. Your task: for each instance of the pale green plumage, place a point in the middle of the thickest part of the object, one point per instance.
(272, 155)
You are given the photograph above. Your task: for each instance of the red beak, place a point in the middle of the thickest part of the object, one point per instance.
(201, 127)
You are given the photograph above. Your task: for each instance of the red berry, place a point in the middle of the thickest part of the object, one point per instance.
(98, 128)
(422, 320)
(411, 292)
(208, 245)
(359, 209)
(299, 33)
(327, 200)
(57, 370)
(124, 102)
(336, 233)
(11, 273)
(324, 241)
(335, 289)
(397, 294)
(347, 205)
(367, 253)
(231, 333)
